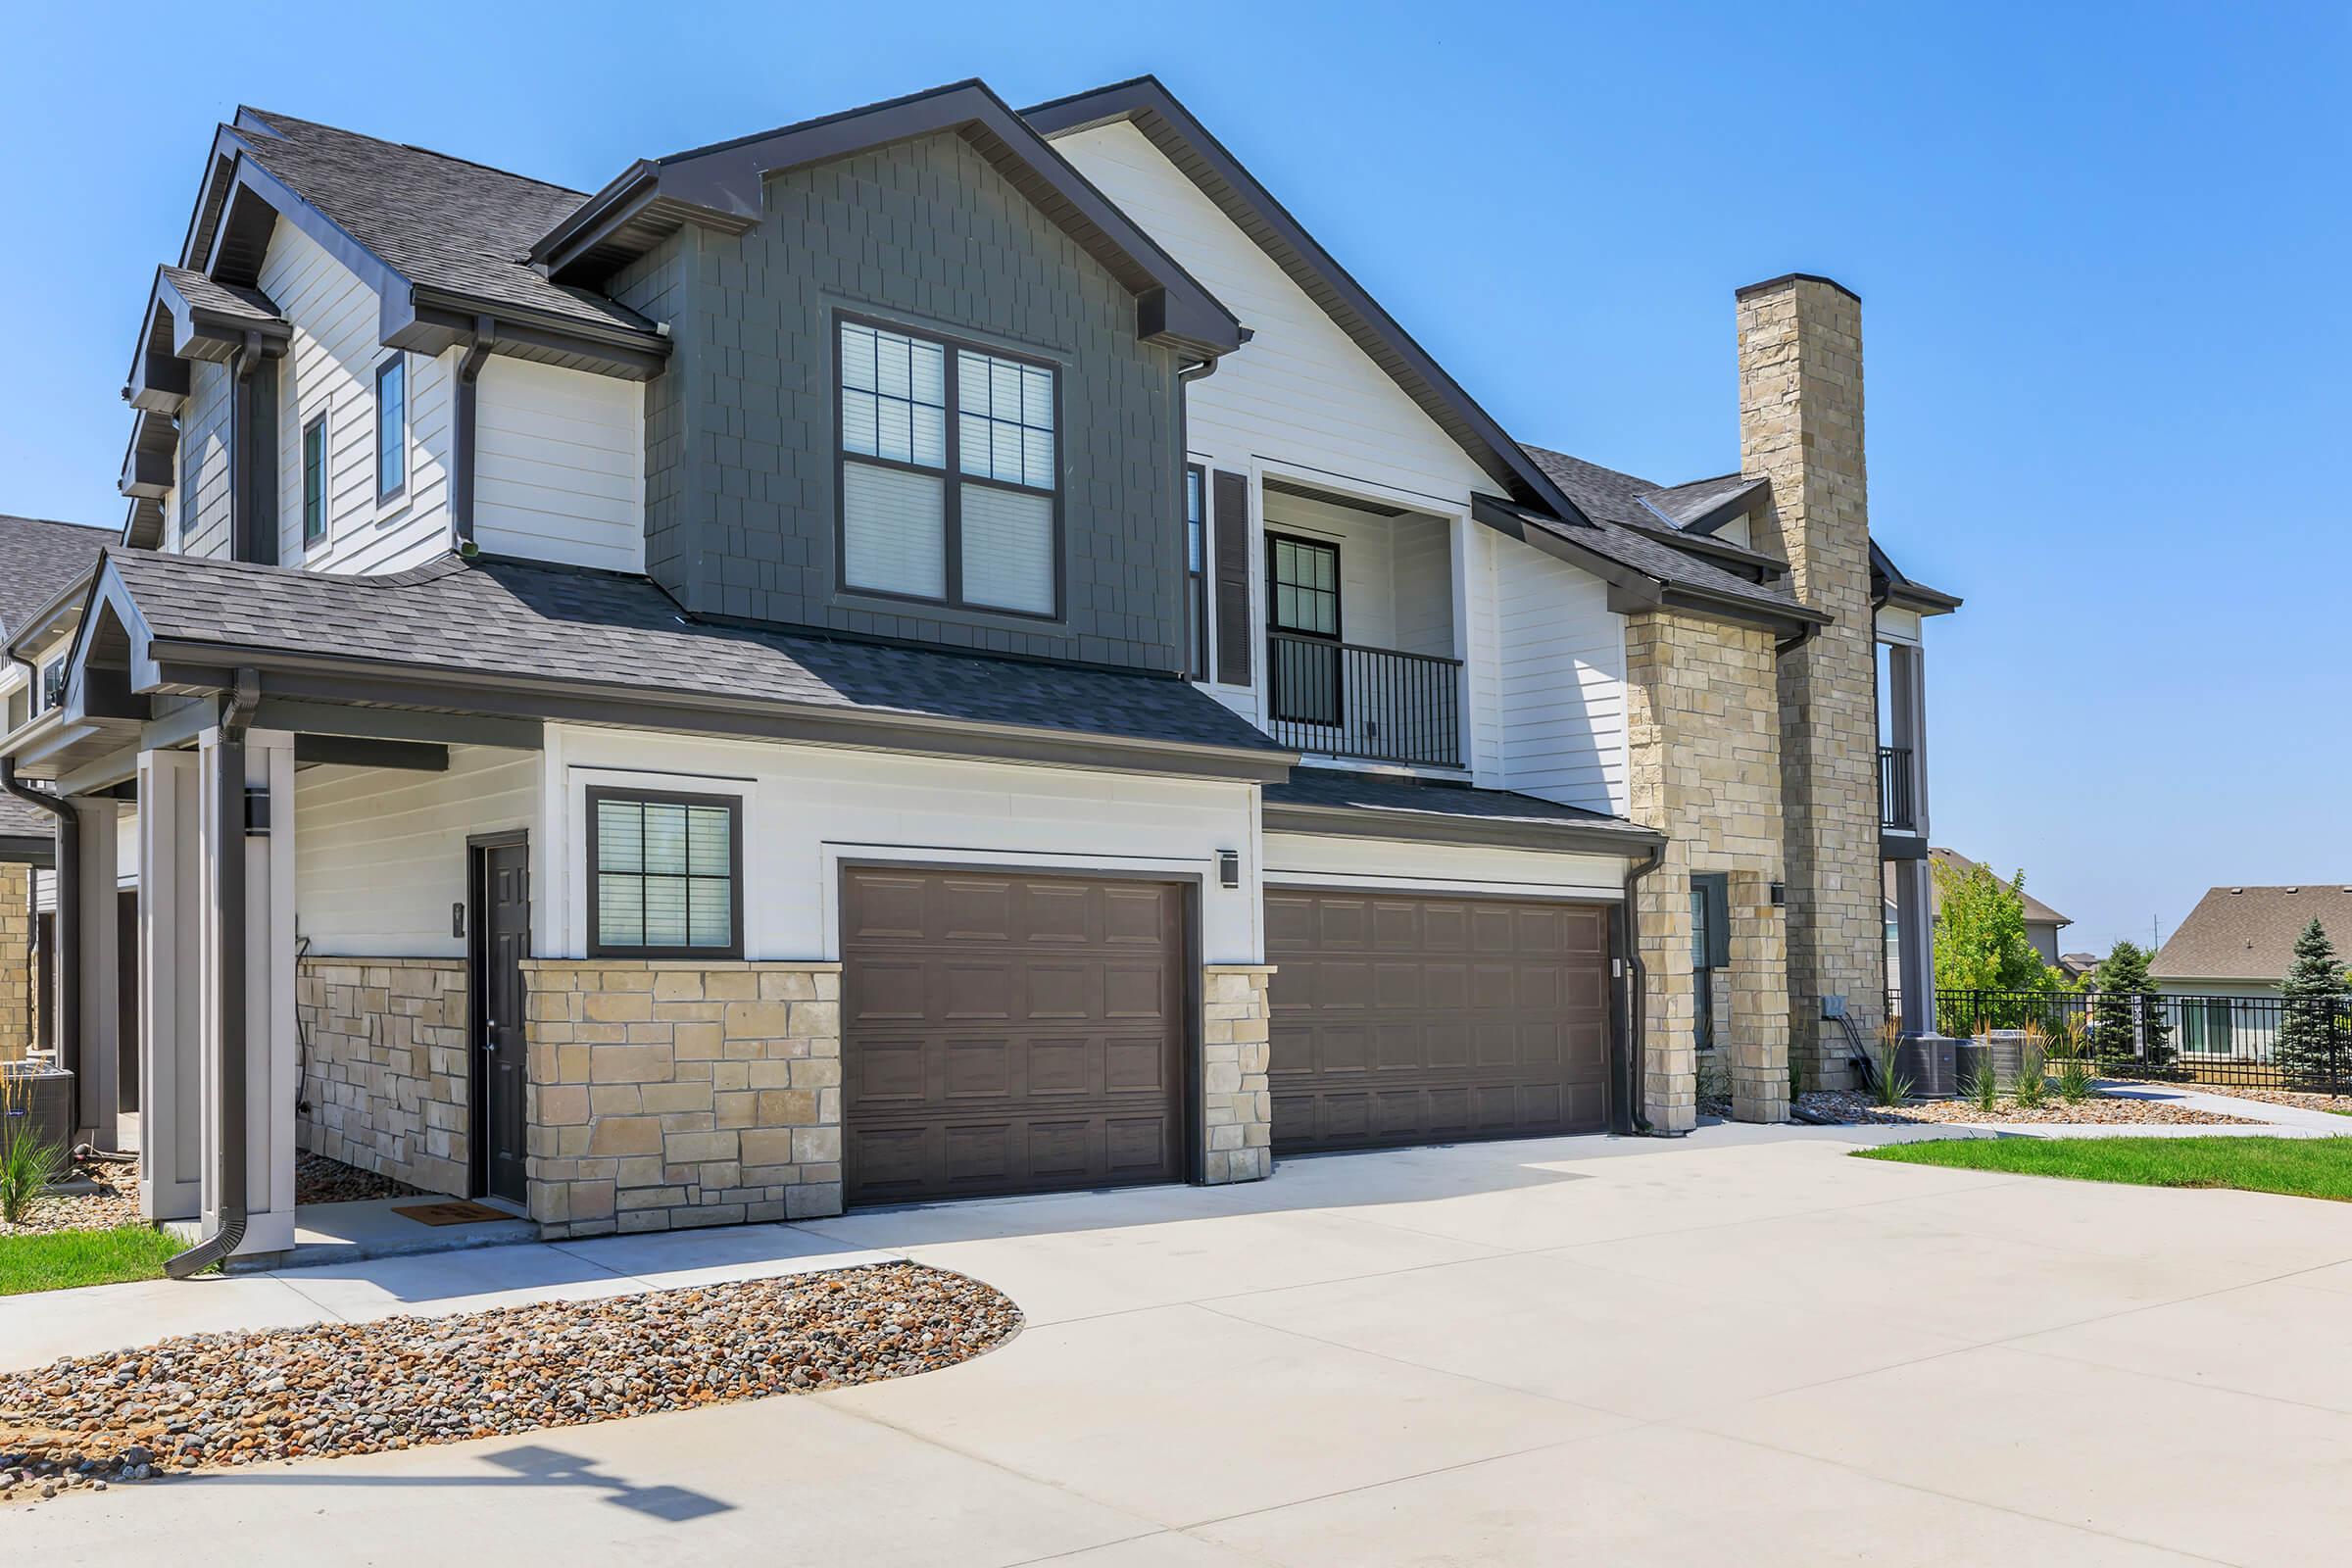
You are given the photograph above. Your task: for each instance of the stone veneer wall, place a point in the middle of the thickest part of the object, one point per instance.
(666, 1095)
(1702, 715)
(1237, 1106)
(18, 1028)
(384, 1069)
(1801, 426)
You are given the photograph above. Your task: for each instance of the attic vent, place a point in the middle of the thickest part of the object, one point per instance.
(2294, 890)
(2237, 890)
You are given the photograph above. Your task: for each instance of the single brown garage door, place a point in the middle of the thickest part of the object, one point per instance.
(1009, 1034)
(1411, 1020)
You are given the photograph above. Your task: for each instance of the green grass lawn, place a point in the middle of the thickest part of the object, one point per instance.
(61, 1259)
(2301, 1168)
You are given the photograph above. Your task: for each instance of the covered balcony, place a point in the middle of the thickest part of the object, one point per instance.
(1361, 659)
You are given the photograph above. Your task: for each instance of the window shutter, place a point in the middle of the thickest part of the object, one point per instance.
(1236, 632)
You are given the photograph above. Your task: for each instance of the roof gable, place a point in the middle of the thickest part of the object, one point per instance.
(1185, 142)
(722, 186)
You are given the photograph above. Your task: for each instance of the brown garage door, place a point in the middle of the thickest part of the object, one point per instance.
(1411, 1020)
(1009, 1034)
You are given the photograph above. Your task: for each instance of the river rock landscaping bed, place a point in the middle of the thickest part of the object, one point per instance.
(208, 1401)
(2295, 1099)
(321, 1180)
(1848, 1107)
(111, 1199)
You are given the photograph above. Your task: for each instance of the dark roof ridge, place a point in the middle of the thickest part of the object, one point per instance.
(732, 142)
(266, 116)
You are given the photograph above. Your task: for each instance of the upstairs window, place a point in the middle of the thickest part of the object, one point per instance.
(665, 874)
(53, 683)
(313, 480)
(391, 427)
(949, 472)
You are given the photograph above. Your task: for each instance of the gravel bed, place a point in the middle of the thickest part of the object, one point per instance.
(321, 1180)
(114, 1202)
(206, 1400)
(1856, 1110)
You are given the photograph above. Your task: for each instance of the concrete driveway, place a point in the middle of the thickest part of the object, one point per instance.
(1741, 1346)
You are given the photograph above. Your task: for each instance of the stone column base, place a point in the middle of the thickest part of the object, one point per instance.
(1237, 1109)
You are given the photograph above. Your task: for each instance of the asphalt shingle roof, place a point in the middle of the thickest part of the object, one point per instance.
(19, 820)
(1685, 504)
(2249, 933)
(1621, 531)
(530, 622)
(38, 559)
(1369, 792)
(437, 220)
(228, 299)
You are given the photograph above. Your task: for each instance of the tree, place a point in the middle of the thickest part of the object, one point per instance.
(2309, 1019)
(2123, 1011)
(1981, 940)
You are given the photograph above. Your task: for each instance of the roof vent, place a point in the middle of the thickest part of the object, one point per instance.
(2294, 890)
(2237, 890)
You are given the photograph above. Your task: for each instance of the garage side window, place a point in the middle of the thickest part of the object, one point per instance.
(665, 875)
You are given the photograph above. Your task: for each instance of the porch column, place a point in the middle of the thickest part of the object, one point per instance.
(97, 1084)
(271, 1054)
(1669, 1009)
(1915, 944)
(170, 959)
(1759, 982)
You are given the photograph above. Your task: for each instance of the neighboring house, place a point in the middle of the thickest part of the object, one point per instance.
(2074, 966)
(936, 652)
(42, 564)
(2043, 923)
(2236, 946)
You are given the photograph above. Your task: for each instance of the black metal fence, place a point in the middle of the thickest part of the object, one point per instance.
(1373, 703)
(1894, 787)
(2251, 1041)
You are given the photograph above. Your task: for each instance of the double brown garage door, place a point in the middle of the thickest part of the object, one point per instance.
(1413, 1020)
(1009, 1034)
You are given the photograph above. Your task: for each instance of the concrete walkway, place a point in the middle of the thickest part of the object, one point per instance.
(1742, 1346)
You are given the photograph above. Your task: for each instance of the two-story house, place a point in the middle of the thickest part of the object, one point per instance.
(936, 652)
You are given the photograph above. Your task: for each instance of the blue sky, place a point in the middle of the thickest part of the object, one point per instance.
(2102, 255)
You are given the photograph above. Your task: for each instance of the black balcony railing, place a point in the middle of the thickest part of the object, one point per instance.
(1370, 703)
(1896, 793)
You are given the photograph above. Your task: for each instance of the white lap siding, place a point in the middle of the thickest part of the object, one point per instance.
(1557, 714)
(807, 810)
(559, 465)
(331, 368)
(1305, 859)
(380, 853)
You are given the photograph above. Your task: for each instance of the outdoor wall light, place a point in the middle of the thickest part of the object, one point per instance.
(1229, 868)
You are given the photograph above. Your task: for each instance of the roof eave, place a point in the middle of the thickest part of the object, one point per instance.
(184, 665)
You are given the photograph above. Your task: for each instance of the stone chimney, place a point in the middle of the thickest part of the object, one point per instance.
(1800, 427)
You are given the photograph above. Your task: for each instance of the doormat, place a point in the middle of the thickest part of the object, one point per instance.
(456, 1211)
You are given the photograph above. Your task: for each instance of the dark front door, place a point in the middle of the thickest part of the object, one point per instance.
(502, 923)
(1401, 1019)
(1010, 1034)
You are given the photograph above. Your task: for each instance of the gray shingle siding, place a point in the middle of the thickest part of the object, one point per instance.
(739, 429)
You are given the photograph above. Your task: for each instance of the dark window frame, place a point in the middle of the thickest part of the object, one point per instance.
(950, 474)
(52, 685)
(1333, 716)
(597, 947)
(1197, 565)
(314, 426)
(398, 362)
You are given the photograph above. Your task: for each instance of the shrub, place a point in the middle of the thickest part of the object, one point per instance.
(26, 1162)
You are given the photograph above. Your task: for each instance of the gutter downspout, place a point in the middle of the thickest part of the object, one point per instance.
(1637, 1050)
(67, 926)
(228, 790)
(469, 373)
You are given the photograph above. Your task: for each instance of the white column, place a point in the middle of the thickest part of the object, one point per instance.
(98, 1088)
(170, 961)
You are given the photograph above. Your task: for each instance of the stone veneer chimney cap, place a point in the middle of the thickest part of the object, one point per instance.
(1796, 278)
